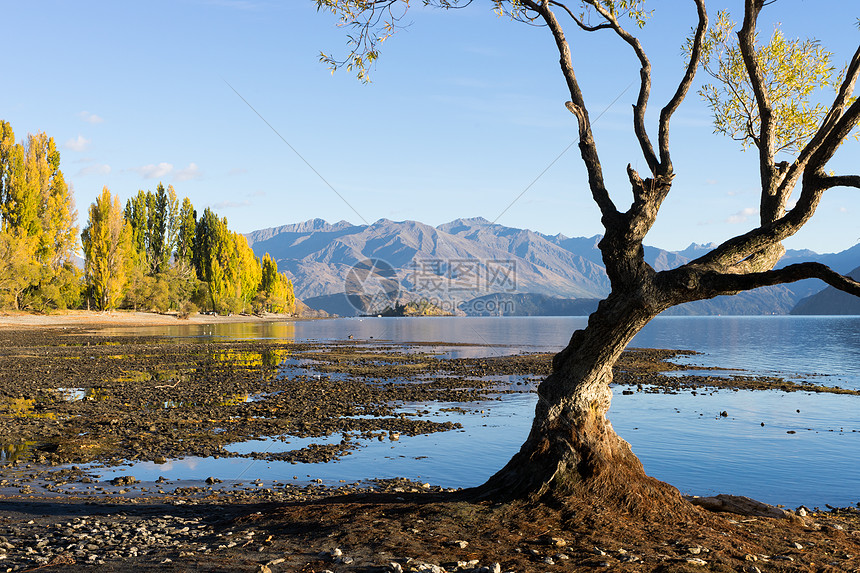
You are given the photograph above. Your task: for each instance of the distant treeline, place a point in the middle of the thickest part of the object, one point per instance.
(154, 254)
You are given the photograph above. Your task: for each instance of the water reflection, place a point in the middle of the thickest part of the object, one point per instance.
(681, 438)
(78, 394)
(25, 408)
(13, 452)
(227, 330)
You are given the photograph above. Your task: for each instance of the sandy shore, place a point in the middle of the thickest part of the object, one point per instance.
(12, 319)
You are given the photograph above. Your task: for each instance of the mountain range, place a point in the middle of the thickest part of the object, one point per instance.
(830, 301)
(474, 259)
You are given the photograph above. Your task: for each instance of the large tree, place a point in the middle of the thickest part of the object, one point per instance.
(107, 250)
(36, 208)
(572, 448)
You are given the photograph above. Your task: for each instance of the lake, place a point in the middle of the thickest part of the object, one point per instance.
(681, 439)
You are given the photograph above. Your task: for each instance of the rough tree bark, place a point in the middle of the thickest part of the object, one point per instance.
(572, 449)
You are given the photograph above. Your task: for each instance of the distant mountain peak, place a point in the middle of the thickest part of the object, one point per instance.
(317, 256)
(476, 220)
(701, 247)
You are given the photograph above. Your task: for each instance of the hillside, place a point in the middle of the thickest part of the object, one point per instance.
(830, 301)
(471, 259)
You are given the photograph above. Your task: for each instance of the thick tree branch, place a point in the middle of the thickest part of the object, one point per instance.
(843, 128)
(843, 97)
(746, 43)
(835, 128)
(719, 283)
(587, 145)
(831, 181)
(644, 86)
(683, 88)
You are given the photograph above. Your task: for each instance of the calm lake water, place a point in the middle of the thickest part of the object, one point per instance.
(680, 439)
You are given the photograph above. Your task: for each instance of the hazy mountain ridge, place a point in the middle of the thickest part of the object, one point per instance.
(318, 256)
(830, 301)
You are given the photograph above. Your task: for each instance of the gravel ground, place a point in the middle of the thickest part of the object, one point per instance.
(55, 516)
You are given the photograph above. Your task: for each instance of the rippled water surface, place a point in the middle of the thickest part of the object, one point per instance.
(792, 449)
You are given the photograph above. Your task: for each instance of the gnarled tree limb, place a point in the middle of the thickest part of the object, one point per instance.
(587, 145)
(720, 283)
(644, 86)
(766, 144)
(842, 99)
(681, 92)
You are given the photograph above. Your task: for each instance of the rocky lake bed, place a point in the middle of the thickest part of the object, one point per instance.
(81, 409)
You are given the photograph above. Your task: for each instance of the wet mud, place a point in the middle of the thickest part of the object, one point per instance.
(72, 397)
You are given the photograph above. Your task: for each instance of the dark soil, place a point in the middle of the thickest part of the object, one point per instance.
(72, 396)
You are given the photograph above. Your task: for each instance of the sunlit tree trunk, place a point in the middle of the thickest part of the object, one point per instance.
(572, 448)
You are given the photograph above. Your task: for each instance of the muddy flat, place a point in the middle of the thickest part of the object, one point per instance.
(74, 399)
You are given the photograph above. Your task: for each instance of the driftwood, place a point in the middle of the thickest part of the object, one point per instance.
(740, 505)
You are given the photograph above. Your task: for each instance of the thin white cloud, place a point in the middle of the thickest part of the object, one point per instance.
(256, 194)
(843, 209)
(742, 216)
(80, 143)
(153, 171)
(190, 172)
(166, 170)
(231, 204)
(237, 171)
(97, 169)
(90, 117)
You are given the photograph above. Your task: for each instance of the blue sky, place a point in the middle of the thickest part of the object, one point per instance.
(464, 114)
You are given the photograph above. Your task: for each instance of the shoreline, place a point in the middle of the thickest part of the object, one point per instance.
(54, 514)
(97, 319)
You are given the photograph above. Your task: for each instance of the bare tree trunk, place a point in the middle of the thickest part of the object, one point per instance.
(572, 449)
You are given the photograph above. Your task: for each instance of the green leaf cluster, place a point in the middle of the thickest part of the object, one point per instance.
(793, 71)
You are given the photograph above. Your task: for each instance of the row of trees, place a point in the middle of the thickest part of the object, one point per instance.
(157, 255)
(153, 255)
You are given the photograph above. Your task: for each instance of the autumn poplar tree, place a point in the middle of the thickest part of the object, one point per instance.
(108, 251)
(761, 94)
(276, 289)
(226, 263)
(37, 216)
(186, 231)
